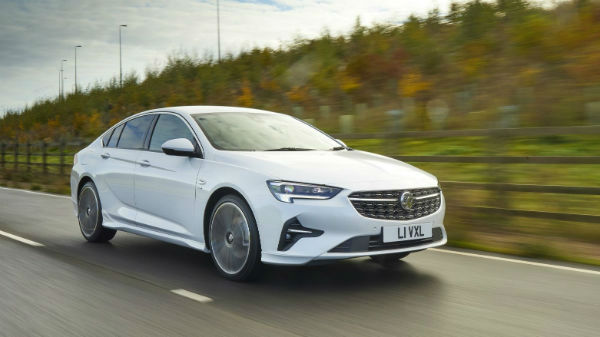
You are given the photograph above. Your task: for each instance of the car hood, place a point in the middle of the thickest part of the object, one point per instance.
(355, 170)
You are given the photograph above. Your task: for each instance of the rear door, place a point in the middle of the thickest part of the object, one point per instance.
(116, 169)
(165, 186)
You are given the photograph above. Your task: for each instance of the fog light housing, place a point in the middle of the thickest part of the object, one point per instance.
(293, 231)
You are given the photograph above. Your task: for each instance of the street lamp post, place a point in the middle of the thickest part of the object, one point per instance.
(64, 78)
(62, 83)
(218, 32)
(78, 46)
(120, 57)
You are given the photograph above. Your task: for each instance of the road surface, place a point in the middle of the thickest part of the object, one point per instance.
(56, 284)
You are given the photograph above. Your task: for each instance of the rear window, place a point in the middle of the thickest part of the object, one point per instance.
(115, 136)
(106, 137)
(134, 133)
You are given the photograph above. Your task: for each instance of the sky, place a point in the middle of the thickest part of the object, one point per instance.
(36, 34)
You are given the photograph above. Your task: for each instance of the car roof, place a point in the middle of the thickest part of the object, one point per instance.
(195, 109)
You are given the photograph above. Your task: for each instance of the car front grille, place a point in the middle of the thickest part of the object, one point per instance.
(386, 205)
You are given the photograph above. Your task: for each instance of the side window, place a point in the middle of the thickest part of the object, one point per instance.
(106, 138)
(115, 136)
(169, 127)
(134, 133)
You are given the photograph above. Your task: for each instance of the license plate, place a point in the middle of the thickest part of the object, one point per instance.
(407, 232)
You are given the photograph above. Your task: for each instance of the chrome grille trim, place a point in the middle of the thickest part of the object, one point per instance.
(385, 205)
(368, 199)
(428, 196)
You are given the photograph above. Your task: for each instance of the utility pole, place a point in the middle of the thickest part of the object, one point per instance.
(218, 32)
(76, 66)
(120, 58)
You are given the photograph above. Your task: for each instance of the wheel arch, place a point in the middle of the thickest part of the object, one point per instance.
(211, 203)
(82, 181)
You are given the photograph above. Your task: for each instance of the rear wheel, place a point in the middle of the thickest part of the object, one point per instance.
(234, 241)
(389, 258)
(89, 214)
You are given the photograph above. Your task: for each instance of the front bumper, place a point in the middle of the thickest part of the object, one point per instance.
(346, 233)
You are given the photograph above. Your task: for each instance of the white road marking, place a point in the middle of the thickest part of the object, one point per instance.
(34, 192)
(538, 264)
(20, 239)
(192, 296)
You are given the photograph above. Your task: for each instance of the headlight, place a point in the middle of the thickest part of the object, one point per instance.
(288, 191)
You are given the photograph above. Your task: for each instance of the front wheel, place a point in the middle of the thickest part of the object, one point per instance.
(234, 241)
(89, 214)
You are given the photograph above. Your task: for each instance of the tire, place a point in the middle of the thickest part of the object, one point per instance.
(389, 258)
(234, 240)
(89, 215)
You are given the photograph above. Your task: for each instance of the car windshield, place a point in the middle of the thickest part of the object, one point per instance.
(241, 131)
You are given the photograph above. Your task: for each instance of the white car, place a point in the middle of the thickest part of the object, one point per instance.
(252, 186)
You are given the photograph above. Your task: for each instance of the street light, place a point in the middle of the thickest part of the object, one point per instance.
(62, 83)
(75, 48)
(218, 32)
(120, 58)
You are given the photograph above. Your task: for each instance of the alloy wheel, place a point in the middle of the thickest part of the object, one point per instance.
(230, 238)
(88, 210)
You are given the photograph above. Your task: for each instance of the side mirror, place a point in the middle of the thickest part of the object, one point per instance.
(179, 147)
(339, 141)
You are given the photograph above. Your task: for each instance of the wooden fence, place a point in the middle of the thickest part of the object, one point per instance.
(41, 155)
(500, 136)
(46, 156)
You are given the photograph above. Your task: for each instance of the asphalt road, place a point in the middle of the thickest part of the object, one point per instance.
(68, 287)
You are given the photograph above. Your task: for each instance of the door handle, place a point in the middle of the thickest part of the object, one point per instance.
(105, 155)
(144, 163)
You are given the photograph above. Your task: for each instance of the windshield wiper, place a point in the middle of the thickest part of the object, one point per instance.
(290, 149)
(339, 148)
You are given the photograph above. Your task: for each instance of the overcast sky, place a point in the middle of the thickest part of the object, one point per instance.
(36, 34)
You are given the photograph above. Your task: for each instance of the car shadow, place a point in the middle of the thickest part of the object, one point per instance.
(188, 268)
(346, 275)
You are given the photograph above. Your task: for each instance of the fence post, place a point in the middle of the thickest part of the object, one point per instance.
(497, 146)
(45, 156)
(28, 156)
(62, 157)
(16, 158)
(2, 152)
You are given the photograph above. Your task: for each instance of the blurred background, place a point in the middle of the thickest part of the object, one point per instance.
(499, 99)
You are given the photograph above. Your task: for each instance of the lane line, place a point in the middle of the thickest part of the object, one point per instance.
(192, 296)
(20, 239)
(34, 192)
(497, 258)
